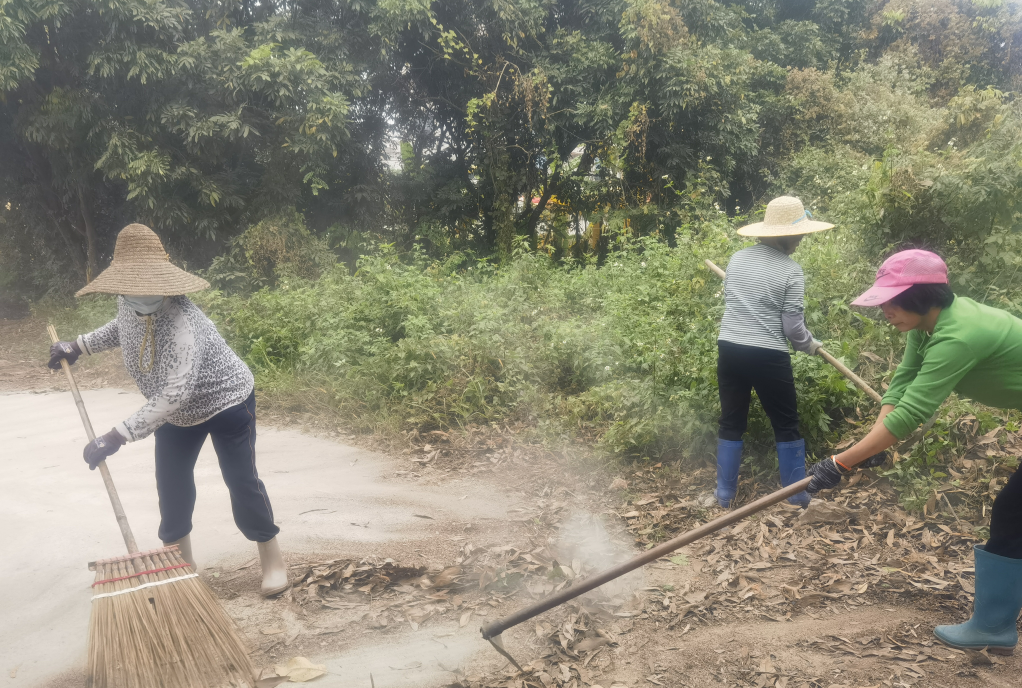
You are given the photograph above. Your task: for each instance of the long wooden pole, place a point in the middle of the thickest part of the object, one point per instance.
(824, 354)
(497, 627)
(859, 382)
(111, 490)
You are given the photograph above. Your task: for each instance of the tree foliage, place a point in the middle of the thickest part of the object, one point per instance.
(195, 118)
(476, 124)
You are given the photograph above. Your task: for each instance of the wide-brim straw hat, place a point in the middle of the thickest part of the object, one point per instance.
(141, 267)
(785, 216)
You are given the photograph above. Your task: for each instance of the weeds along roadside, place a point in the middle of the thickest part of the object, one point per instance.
(622, 357)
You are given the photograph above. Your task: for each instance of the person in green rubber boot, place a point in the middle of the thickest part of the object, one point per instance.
(954, 344)
(764, 291)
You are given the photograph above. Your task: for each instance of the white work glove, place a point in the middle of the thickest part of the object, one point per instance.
(814, 347)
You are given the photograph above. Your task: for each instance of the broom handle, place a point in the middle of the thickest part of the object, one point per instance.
(115, 500)
(858, 381)
(501, 625)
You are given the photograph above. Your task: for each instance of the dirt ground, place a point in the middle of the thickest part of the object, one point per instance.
(776, 603)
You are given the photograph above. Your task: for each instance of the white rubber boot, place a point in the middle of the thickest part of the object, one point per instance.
(184, 545)
(275, 579)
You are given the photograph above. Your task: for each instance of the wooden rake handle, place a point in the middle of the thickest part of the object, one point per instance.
(499, 626)
(826, 355)
(111, 490)
(858, 381)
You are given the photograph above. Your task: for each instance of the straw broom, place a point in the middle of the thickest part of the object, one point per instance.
(154, 624)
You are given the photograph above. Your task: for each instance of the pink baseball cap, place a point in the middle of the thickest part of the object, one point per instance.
(901, 271)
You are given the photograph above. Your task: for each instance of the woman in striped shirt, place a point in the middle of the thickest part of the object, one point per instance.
(764, 291)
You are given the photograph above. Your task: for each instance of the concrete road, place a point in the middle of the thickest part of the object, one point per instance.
(56, 517)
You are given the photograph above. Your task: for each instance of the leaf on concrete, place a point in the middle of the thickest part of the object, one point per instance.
(300, 670)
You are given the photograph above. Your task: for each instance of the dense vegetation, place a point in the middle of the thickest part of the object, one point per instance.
(462, 125)
(432, 214)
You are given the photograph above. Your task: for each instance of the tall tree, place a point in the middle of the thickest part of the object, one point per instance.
(144, 109)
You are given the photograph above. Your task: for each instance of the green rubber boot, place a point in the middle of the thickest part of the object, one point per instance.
(995, 609)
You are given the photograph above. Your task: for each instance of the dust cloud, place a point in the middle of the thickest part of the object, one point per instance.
(584, 544)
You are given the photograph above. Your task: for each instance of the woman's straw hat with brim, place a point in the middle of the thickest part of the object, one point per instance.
(142, 268)
(785, 216)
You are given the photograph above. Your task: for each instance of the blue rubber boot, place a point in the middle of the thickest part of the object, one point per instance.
(995, 608)
(791, 459)
(729, 460)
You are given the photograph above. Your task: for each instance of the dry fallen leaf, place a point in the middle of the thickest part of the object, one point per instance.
(820, 511)
(695, 597)
(447, 577)
(980, 658)
(465, 619)
(300, 670)
(271, 631)
(268, 678)
(591, 644)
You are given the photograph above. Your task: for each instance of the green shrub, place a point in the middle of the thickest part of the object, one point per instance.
(624, 354)
(275, 249)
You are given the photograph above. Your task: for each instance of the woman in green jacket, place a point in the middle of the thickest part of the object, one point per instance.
(954, 344)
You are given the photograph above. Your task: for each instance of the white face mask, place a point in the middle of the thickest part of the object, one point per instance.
(146, 305)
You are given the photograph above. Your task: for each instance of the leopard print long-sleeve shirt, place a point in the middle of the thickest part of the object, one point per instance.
(194, 374)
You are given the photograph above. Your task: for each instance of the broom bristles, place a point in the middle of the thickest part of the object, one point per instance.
(155, 624)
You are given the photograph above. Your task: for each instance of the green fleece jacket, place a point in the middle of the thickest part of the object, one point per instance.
(974, 350)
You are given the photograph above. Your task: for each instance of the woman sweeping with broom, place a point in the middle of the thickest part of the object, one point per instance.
(196, 386)
(954, 344)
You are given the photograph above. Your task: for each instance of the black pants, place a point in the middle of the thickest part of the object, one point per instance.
(177, 448)
(740, 369)
(1006, 520)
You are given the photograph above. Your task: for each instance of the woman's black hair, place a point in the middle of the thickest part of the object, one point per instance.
(920, 298)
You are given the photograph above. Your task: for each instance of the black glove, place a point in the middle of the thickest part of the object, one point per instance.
(65, 350)
(826, 474)
(878, 459)
(103, 446)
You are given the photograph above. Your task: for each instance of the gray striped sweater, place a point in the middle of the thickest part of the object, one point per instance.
(764, 294)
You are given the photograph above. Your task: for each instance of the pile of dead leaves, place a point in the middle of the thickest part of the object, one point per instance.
(908, 645)
(397, 593)
(850, 543)
(854, 549)
(857, 548)
(480, 579)
(363, 576)
(571, 655)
